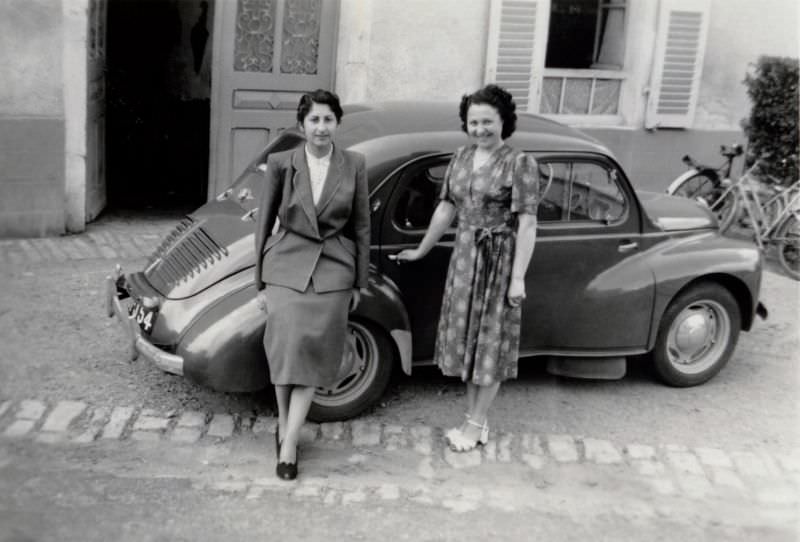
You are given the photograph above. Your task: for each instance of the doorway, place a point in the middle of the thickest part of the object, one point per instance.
(158, 107)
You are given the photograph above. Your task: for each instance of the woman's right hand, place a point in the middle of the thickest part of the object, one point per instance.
(261, 300)
(406, 255)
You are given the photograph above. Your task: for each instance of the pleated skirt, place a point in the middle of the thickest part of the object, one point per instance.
(305, 335)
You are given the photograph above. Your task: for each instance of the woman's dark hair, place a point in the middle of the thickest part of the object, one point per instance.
(319, 96)
(498, 98)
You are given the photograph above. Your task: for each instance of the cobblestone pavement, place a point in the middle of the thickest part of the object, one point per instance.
(417, 466)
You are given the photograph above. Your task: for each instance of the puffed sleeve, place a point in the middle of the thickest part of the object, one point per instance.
(445, 193)
(525, 185)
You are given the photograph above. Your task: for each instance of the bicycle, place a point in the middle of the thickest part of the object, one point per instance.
(774, 220)
(708, 185)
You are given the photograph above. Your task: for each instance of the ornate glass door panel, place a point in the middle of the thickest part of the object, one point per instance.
(266, 54)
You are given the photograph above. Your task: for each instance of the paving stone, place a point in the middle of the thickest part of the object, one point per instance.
(394, 438)
(562, 448)
(309, 432)
(727, 478)
(752, 465)
(490, 451)
(220, 426)
(421, 431)
(664, 486)
(714, 457)
(53, 250)
(649, 467)
(423, 445)
(676, 448)
(254, 493)
(460, 506)
(30, 409)
(230, 486)
(532, 444)
(331, 497)
(264, 424)
(120, 416)
(186, 435)
(694, 486)
(192, 418)
(5, 406)
(306, 491)
(779, 495)
(684, 462)
(503, 499)
(64, 413)
(96, 423)
(462, 460)
(601, 451)
(150, 423)
(640, 451)
(366, 434)
(504, 448)
(425, 469)
(50, 437)
(145, 436)
(389, 492)
(332, 430)
(354, 497)
(19, 428)
(534, 461)
(788, 462)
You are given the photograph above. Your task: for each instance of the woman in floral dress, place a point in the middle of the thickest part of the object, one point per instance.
(493, 189)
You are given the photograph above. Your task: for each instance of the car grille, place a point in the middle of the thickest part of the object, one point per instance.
(183, 253)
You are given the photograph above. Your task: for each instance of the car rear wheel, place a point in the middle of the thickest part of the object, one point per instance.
(364, 384)
(697, 335)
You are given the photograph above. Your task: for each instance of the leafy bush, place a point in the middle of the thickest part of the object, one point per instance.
(772, 126)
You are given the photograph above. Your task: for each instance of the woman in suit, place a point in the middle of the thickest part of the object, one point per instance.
(311, 271)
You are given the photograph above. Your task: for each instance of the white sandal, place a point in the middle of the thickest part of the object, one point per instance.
(459, 443)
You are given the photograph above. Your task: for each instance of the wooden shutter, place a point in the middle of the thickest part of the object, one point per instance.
(677, 63)
(516, 47)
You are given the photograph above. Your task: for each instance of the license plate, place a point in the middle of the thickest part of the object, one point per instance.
(144, 317)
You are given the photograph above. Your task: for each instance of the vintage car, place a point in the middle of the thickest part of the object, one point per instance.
(615, 274)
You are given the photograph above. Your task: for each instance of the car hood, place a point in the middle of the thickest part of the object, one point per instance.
(672, 213)
(207, 246)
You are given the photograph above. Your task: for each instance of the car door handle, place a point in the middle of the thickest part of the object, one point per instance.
(627, 246)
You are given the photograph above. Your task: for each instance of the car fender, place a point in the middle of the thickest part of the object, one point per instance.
(706, 256)
(223, 348)
(383, 305)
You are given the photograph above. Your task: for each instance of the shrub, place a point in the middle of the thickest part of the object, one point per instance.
(771, 127)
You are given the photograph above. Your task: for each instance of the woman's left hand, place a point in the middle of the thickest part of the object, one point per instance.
(516, 292)
(355, 300)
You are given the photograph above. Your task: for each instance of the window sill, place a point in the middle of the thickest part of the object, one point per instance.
(587, 121)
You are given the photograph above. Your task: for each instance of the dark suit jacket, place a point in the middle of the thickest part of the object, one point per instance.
(327, 245)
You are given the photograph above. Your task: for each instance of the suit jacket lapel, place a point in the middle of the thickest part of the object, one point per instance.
(333, 180)
(301, 181)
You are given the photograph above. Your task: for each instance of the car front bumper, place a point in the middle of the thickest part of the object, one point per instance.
(137, 342)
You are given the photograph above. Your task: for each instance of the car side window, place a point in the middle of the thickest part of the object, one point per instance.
(420, 196)
(580, 192)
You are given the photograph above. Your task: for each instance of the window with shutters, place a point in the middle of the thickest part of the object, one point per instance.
(584, 58)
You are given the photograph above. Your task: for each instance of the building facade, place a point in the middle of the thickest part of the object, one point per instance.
(652, 79)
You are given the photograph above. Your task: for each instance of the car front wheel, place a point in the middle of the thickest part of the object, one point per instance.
(365, 382)
(697, 335)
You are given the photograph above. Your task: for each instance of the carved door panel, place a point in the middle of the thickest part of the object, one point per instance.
(266, 54)
(96, 110)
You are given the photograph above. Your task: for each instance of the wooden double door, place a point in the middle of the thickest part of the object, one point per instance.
(266, 54)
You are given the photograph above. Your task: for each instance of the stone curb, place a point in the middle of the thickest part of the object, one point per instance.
(669, 469)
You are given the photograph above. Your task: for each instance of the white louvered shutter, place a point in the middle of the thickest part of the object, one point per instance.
(678, 63)
(516, 46)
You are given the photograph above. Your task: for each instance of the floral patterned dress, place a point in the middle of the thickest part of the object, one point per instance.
(478, 334)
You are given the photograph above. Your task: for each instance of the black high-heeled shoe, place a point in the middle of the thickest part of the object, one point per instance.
(286, 471)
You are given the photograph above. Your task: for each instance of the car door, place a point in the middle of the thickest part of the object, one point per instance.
(589, 289)
(413, 196)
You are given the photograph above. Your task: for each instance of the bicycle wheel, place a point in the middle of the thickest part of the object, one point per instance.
(787, 241)
(709, 192)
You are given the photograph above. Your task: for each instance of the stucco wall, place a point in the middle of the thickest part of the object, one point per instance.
(739, 32)
(30, 59)
(414, 49)
(31, 118)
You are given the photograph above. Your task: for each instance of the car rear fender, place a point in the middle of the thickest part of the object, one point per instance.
(223, 349)
(383, 305)
(707, 257)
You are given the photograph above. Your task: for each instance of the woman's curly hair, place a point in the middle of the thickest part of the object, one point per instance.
(319, 96)
(498, 98)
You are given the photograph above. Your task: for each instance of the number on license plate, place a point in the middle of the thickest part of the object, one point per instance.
(144, 317)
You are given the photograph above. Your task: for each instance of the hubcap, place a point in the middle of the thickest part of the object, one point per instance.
(698, 336)
(360, 376)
